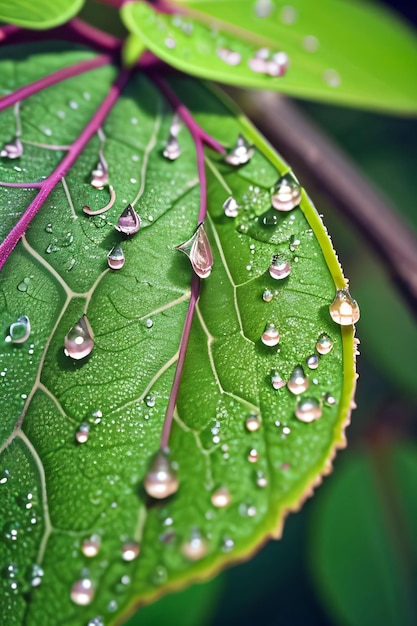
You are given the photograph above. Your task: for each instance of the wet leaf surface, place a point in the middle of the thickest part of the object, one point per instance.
(39, 14)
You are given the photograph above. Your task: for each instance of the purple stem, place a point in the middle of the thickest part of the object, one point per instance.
(7, 31)
(56, 77)
(169, 414)
(194, 128)
(49, 183)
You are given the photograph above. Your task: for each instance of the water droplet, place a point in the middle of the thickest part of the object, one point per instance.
(308, 410)
(91, 546)
(19, 331)
(149, 323)
(282, 60)
(83, 433)
(324, 344)
(195, 548)
(150, 401)
(279, 268)
(277, 381)
(170, 43)
(329, 400)
(227, 544)
(161, 480)
(160, 576)
(130, 551)
(116, 258)
(310, 43)
(176, 125)
(267, 295)
(79, 340)
(312, 361)
(344, 310)
(96, 621)
(332, 78)
(261, 480)
(253, 422)
(12, 150)
(96, 417)
(294, 243)
(229, 56)
(257, 65)
(48, 228)
(73, 105)
(100, 175)
(199, 252)
(263, 8)
(82, 592)
(230, 207)
(253, 456)
(11, 531)
(172, 149)
(221, 498)
(112, 606)
(298, 382)
(270, 336)
(286, 194)
(129, 222)
(36, 575)
(241, 153)
(288, 14)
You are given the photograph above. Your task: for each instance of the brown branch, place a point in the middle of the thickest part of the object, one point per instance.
(307, 149)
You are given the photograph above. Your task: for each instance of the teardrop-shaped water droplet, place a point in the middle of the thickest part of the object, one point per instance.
(277, 381)
(279, 268)
(150, 401)
(83, 433)
(270, 336)
(267, 295)
(100, 176)
(82, 592)
(344, 310)
(79, 341)
(130, 550)
(116, 258)
(287, 194)
(91, 546)
(298, 382)
(129, 222)
(261, 480)
(161, 480)
(36, 575)
(241, 153)
(19, 331)
(176, 125)
(221, 498)
(172, 149)
(12, 150)
(308, 410)
(312, 361)
(230, 207)
(329, 399)
(282, 60)
(199, 252)
(195, 548)
(253, 456)
(324, 344)
(253, 422)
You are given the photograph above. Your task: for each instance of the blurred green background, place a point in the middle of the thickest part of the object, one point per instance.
(350, 556)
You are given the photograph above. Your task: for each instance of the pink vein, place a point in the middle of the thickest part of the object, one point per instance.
(74, 151)
(56, 77)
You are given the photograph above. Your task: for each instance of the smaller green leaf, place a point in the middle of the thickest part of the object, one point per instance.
(39, 14)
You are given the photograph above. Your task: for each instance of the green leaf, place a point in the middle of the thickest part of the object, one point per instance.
(327, 62)
(40, 14)
(363, 542)
(58, 492)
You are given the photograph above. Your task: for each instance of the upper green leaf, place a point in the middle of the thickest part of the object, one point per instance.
(60, 492)
(38, 14)
(340, 52)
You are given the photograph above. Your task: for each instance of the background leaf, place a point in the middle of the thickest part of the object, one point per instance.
(327, 62)
(40, 14)
(137, 316)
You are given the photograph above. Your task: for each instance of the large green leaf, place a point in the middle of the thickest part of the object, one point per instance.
(59, 492)
(40, 14)
(342, 52)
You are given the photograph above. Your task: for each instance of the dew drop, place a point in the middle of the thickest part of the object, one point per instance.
(294, 243)
(261, 480)
(310, 43)
(270, 336)
(149, 323)
(36, 575)
(241, 153)
(277, 381)
(91, 546)
(253, 422)
(79, 340)
(199, 252)
(73, 105)
(344, 310)
(130, 551)
(286, 194)
(96, 621)
(112, 606)
(324, 344)
(230, 57)
(12, 150)
(150, 401)
(116, 258)
(82, 592)
(172, 149)
(195, 548)
(263, 8)
(48, 228)
(100, 175)
(221, 498)
(160, 576)
(332, 78)
(258, 65)
(267, 295)
(19, 331)
(161, 480)
(228, 544)
(308, 410)
(253, 456)
(288, 14)
(83, 433)
(329, 399)
(279, 268)
(312, 361)
(298, 382)
(230, 207)
(129, 221)
(170, 43)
